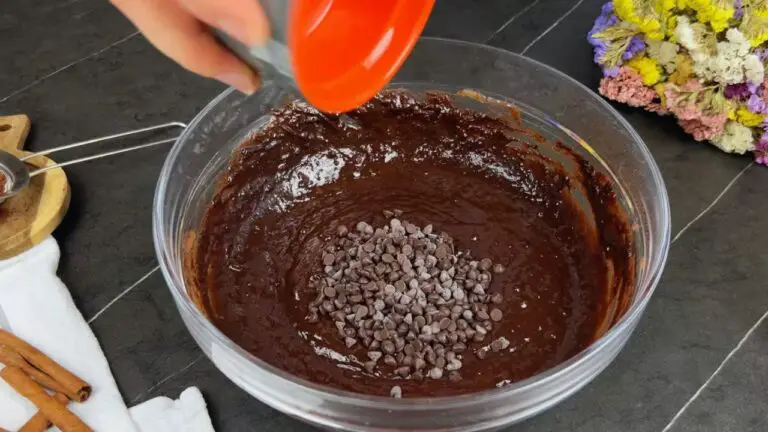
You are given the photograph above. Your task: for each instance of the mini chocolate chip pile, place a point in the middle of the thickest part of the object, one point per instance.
(407, 295)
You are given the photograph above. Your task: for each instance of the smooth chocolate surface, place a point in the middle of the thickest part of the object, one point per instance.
(569, 271)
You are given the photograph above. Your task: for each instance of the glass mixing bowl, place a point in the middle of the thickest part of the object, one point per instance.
(574, 115)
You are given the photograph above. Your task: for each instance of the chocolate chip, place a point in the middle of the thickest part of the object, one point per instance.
(396, 392)
(388, 347)
(436, 373)
(445, 323)
(453, 365)
(419, 364)
(361, 312)
(329, 291)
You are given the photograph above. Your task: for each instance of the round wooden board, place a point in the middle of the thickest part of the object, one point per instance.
(30, 217)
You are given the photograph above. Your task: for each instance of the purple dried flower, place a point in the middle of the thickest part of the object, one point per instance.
(635, 46)
(612, 72)
(752, 93)
(607, 8)
(605, 20)
(757, 105)
(599, 47)
(739, 12)
(749, 92)
(762, 143)
(761, 149)
(737, 91)
(761, 53)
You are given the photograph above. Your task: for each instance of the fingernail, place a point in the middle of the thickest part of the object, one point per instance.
(240, 81)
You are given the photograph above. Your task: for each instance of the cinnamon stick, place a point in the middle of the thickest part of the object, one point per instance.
(52, 409)
(40, 423)
(70, 384)
(10, 357)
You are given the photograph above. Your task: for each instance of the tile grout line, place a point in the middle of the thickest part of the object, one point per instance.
(514, 17)
(125, 291)
(717, 371)
(159, 383)
(712, 204)
(552, 27)
(63, 68)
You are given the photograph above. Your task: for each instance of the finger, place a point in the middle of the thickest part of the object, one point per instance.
(242, 19)
(175, 32)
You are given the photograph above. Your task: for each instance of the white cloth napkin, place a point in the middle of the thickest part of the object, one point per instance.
(36, 306)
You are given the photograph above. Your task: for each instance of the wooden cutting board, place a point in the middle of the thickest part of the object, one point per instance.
(29, 217)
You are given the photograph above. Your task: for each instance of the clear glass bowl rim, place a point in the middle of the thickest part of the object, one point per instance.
(646, 283)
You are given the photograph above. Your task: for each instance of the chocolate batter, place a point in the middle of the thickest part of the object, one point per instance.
(560, 233)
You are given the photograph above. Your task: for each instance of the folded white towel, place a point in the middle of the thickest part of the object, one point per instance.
(36, 306)
(186, 414)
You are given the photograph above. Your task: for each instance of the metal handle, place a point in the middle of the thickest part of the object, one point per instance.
(103, 139)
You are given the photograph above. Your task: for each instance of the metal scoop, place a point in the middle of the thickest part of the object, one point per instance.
(17, 173)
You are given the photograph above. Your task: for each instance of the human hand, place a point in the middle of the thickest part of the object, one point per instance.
(179, 28)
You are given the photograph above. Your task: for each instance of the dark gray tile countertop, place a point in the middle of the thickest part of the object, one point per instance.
(697, 362)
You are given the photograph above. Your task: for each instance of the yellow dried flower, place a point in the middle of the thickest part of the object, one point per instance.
(748, 118)
(643, 14)
(754, 25)
(659, 88)
(715, 12)
(683, 70)
(648, 68)
(671, 26)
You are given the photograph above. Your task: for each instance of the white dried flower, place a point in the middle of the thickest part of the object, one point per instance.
(665, 53)
(754, 69)
(685, 34)
(736, 138)
(737, 42)
(729, 65)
